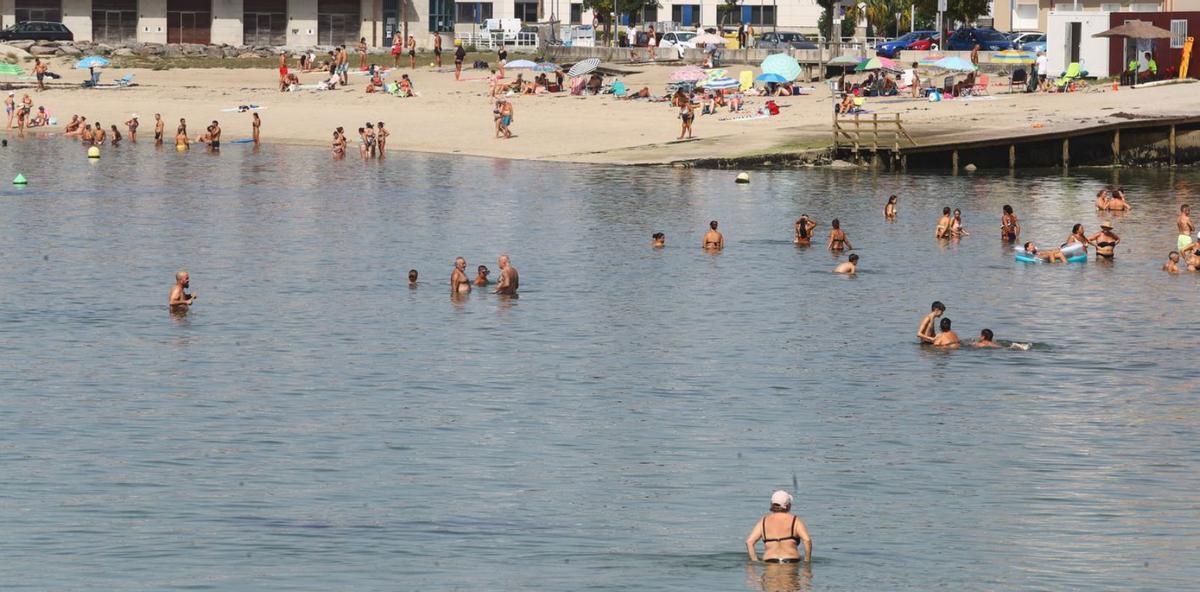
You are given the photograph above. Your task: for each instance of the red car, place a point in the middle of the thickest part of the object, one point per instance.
(927, 44)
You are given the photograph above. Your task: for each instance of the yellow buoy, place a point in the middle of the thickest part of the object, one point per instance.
(93, 152)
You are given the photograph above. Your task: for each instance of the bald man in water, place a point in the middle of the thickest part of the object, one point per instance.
(459, 284)
(179, 299)
(509, 279)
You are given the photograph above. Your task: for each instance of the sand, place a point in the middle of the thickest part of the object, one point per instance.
(456, 117)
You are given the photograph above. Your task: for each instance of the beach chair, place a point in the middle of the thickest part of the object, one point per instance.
(126, 80)
(981, 85)
(95, 81)
(619, 90)
(746, 80)
(1074, 72)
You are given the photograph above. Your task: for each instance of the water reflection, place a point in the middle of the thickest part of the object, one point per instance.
(779, 577)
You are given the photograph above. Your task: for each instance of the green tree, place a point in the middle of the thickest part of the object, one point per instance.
(727, 12)
(956, 10)
(604, 10)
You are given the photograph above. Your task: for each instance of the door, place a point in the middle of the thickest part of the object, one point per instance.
(1074, 35)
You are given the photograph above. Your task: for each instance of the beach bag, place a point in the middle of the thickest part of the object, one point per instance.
(772, 108)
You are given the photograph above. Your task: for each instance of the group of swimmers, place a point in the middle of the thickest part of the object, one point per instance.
(93, 134)
(1188, 251)
(372, 141)
(23, 113)
(946, 337)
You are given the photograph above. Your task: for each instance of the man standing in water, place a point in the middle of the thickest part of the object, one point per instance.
(459, 284)
(179, 300)
(509, 279)
(1184, 224)
(925, 331)
(214, 136)
(159, 128)
(713, 240)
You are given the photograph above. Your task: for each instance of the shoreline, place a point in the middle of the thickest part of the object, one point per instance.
(454, 118)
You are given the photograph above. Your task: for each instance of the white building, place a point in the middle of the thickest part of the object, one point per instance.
(1070, 38)
(330, 22)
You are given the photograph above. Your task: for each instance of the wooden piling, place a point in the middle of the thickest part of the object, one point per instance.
(1066, 152)
(954, 161)
(1172, 142)
(1012, 156)
(1116, 147)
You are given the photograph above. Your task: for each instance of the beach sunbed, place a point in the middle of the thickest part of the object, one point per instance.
(126, 80)
(1074, 73)
(981, 85)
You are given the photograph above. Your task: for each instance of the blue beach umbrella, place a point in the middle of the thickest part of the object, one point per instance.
(771, 77)
(92, 62)
(954, 64)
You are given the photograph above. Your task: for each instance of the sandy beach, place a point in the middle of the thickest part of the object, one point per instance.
(455, 117)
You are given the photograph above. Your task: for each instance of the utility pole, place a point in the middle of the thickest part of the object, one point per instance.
(941, 25)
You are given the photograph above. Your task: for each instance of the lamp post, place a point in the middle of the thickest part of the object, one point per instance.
(897, 24)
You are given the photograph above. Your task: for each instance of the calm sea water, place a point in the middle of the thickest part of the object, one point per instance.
(314, 424)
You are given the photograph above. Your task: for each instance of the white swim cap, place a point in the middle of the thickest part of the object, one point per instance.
(781, 498)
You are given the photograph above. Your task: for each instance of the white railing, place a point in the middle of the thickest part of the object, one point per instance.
(494, 39)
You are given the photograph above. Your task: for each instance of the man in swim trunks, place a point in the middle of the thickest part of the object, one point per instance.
(943, 225)
(849, 267)
(506, 117)
(481, 277)
(925, 331)
(159, 128)
(946, 338)
(985, 339)
(713, 240)
(1184, 224)
(1051, 256)
(437, 49)
(510, 281)
(412, 52)
(179, 300)
(459, 284)
(214, 136)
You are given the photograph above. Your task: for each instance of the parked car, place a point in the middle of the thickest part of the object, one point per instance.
(783, 40)
(987, 39)
(680, 40)
(1035, 43)
(889, 49)
(37, 31)
(1019, 39)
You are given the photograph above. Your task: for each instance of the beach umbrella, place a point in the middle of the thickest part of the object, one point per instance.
(520, 65)
(11, 70)
(688, 75)
(771, 77)
(955, 64)
(845, 61)
(715, 73)
(92, 62)
(877, 63)
(706, 38)
(783, 65)
(584, 67)
(1013, 56)
(547, 67)
(719, 83)
(931, 59)
(1136, 30)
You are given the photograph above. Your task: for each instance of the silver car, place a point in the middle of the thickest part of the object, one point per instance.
(783, 40)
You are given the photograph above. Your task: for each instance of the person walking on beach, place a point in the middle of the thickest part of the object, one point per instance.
(437, 50)
(510, 281)
(506, 117)
(412, 52)
(925, 330)
(159, 129)
(713, 239)
(361, 49)
(459, 283)
(781, 533)
(1184, 224)
(39, 71)
(501, 59)
(651, 42)
(132, 126)
(460, 54)
(255, 127)
(179, 300)
(343, 63)
(687, 115)
(975, 56)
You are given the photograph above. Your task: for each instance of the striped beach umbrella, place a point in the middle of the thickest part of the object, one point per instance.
(1013, 56)
(584, 67)
(719, 83)
(878, 63)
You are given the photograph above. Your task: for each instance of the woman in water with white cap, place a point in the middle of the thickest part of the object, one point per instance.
(781, 533)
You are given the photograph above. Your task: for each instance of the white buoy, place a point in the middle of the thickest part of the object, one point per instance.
(743, 178)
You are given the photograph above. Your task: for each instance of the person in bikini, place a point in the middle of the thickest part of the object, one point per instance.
(181, 137)
(1077, 238)
(1105, 240)
(255, 127)
(132, 126)
(339, 146)
(1102, 199)
(1010, 229)
(781, 533)
(459, 284)
(804, 228)
(889, 209)
(381, 138)
(713, 240)
(837, 237)
(956, 225)
(687, 115)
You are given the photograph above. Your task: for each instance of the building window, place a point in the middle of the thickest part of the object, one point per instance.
(526, 12)
(1110, 8)
(758, 15)
(650, 14)
(1143, 8)
(576, 14)
(114, 21)
(441, 16)
(1178, 33)
(472, 12)
(38, 10)
(687, 15)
